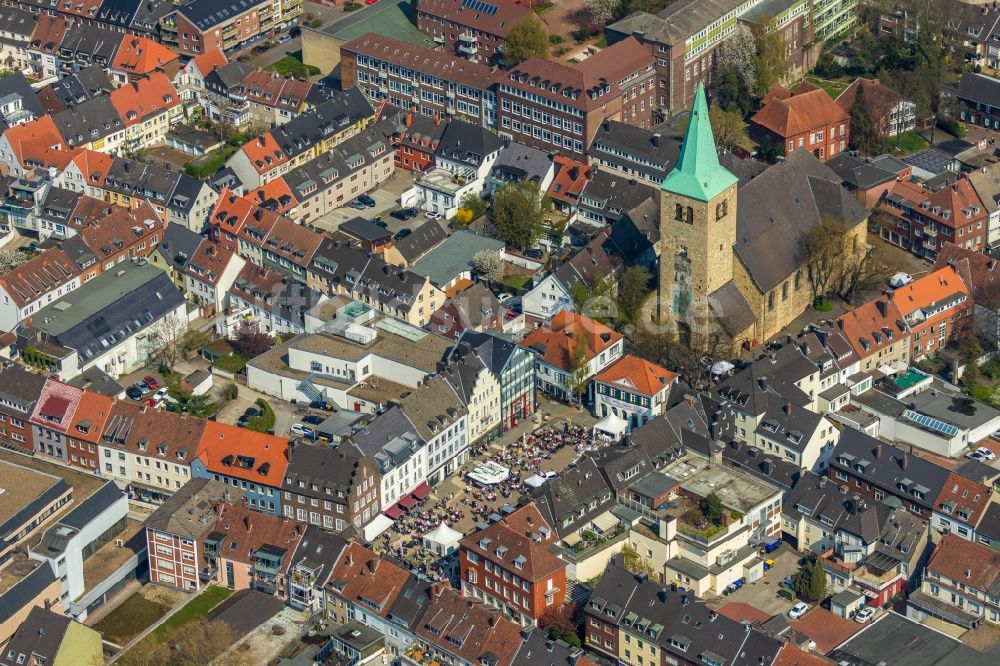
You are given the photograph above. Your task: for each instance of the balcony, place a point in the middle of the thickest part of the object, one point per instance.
(467, 38)
(468, 49)
(930, 233)
(450, 94)
(929, 245)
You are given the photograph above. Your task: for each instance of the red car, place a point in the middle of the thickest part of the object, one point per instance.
(151, 383)
(370, 2)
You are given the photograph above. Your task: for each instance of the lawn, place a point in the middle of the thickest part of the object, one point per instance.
(231, 363)
(907, 142)
(128, 620)
(192, 610)
(517, 281)
(832, 88)
(295, 67)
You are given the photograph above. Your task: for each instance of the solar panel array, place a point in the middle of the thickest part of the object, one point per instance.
(479, 6)
(931, 423)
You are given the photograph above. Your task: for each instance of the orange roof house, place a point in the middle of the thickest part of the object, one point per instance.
(638, 375)
(36, 155)
(274, 195)
(208, 62)
(140, 56)
(556, 345)
(876, 330)
(93, 167)
(242, 454)
(805, 118)
(41, 132)
(231, 212)
(264, 153)
(144, 99)
(936, 306)
(569, 180)
(974, 565)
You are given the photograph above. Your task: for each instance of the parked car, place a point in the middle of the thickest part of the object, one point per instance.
(252, 413)
(976, 455)
(366, 200)
(312, 420)
(403, 233)
(284, 39)
(864, 615)
(798, 610)
(134, 393)
(142, 386)
(404, 214)
(900, 279)
(370, 2)
(534, 253)
(995, 435)
(301, 430)
(358, 205)
(986, 453)
(295, 32)
(151, 383)
(322, 404)
(503, 298)
(380, 223)
(431, 215)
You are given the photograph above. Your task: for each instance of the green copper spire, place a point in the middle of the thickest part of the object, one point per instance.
(698, 174)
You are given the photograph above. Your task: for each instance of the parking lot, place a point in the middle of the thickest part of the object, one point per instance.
(763, 594)
(386, 200)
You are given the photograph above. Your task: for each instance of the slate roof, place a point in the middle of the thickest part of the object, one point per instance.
(25, 591)
(17, 84)
(366, 274)
(612, 194)
(365, 230)
(39, 636)
(649, 152)
(494, 350)
(778, 207)
(331, 470)
(319, 548)
(569, 496)
(979, 88)
(885, 464)
(858, 174)
(467, 143)
(273, 292)
(678, 617)
(178, 245)
(731, 309)
(537, 649)
(755, 392)
(471, 630)
(595, 260)
(21, 387)
(89, 121)
(423, 239)
(190, 511)
(205, 14)
(520, 162)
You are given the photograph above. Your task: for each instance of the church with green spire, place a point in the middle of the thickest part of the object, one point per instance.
(728, 267)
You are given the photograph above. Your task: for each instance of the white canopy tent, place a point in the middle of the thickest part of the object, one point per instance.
(379, 524)
(442, 540)
(611, 426)
(489, 473)
(538, 480)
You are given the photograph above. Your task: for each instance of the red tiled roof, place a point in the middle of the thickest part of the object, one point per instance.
(874, 317)
(790, 655)
(739, 611)
(272, 89)
(39, 132)
(231, 212)
(361, 574)
(57, 400)
(94, 166)
(972, 564)
(243, 454)
(39, 275)
(48, 33)
(965, 495)
(455, 11)
(447, 66)
(207, 62)
(980, 273)
(930, 290)
(141, 55)
(799, 113)
(468, 629)
(637, 374)
(45, 156)
(143, 99)
(121, 226)
(959, 200)
(247, 531)
(92, 412)
(569, 180)
(264, 153)
(539, 563)
(209, 262)
(827, 629)
(879, 99)
(557, 342)
(273, 191)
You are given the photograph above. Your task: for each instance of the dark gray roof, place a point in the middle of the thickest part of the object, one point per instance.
(413, 599)
(773, 469)
(680, 617)
(370, 275)
(25, 591)
(650, 153)
(931, 160)
(520, 162)
(537, 649)
(18, 22)
(980, 88)
(363, 229)
(178, 245)
(228, 76)
(596, 259)
(731, 310)
(571, 492)
(96, 118)
(745, 169)
(208, 13)
(894, 639)
(989, 524)
(225, 178)
(246, 610)
(467, 143)
(90, 44)
(857, 173)
(20, 387)
(779, 206)
(320, 549)
(17, 84)
(494, 350)
(93, 506)
(334, 115)
(885, 463)
(753, 391)
(95, 379)
(329, 469)
(40, 635)
(424, 238)
(611, 195)
(636, 233)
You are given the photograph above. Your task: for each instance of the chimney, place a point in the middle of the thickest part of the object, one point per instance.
(905, 460)
(409, 119)
(878, 450)
(247, 522)
(656, 140)
(689, 399)
(883, 307)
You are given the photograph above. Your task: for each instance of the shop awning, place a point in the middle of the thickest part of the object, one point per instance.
(571, 539)
(394, 512)
(421, 491)
(407, 503)
(379, 524)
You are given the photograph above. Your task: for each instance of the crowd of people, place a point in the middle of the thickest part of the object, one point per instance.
(524, 458)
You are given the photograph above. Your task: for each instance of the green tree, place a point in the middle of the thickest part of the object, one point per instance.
(817, 582)
(597, 300)
(558, 621)
(517, 214)
(474, 203)
(525, 39)
(771, 61)
(633, 289)
(863, 130)
(770, 150)
(579, 376)
(728, 127)
(634, 562)
(711, 507)
(827, 66)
